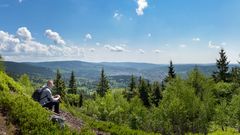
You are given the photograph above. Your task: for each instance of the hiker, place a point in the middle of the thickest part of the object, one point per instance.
(47, 100)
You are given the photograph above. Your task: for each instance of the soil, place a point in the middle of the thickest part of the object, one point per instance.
(6, 128)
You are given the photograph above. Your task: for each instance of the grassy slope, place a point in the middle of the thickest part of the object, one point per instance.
(28, 115)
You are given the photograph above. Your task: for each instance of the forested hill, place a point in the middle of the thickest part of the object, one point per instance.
(91, 70)
(149, 71)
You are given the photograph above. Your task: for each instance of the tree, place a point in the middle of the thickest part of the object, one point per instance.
(2, 67)
(171, 73)
(156, 95)
(72, 84)
(235, 75)
(80, 99)
(143, 93)
(59, 84)
(25, 81)
(103, 85)
(222, 68)
(130, 93)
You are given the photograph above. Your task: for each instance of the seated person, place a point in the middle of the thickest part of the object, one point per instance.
(47, 100)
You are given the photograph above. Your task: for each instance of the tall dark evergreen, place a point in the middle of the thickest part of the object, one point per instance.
(143, 93)
(59, 84)
(235, 75)
(80, 99)
(103, 85)
(156, 94)
(2, 68)
(171, 74)
(222, 68)
(72, 84)
(131, 88)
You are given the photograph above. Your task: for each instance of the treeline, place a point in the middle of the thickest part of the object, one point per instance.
(196, 104)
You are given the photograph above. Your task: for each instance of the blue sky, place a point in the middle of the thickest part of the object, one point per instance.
(153, 31)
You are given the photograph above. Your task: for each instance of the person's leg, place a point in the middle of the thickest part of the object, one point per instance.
(56, 107)
(49, 105)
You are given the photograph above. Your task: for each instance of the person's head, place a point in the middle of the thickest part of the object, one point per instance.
(50, 84)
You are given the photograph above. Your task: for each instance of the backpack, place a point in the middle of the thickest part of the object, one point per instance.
(37, 94)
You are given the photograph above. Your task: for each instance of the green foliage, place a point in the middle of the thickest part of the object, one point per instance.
(103, 85)
(156, 94)
(2, 67)
(26, 84)
(222, 68)
(72, 84)
(235, 112)
(59, 84)
(27, 114)
(72, 99)
(171, 73)
(131, 91)
(222, 116)
(144, 92)
(181, 110)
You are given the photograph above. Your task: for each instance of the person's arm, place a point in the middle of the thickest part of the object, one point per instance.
(50, 97)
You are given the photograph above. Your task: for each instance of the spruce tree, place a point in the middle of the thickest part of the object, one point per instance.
(72, 84)
(103, 85)
(59, 84)
(2, 68)
(171, 74)
(131, 88)
(235, 75)
(143, 93)
(222, 68)
(80, 99)
(156, 94)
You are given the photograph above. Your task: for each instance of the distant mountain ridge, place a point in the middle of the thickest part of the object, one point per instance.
(90, 70)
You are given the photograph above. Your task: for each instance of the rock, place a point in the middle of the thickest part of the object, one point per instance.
(59, 120)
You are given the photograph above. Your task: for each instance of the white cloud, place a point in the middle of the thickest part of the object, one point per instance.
(196, 39)
(12, 47)
(183, 46)
(92, 49)
(98, 44)
(141, 51)
(24, 33)
(223, 43)
(157, 51)
(117, 15)
(142, 4)
(55, 37)
(149, 35)
(88, 36)
(115, 48)
(211, 45)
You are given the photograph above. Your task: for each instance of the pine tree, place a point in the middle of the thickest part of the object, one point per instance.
(59, 84)
(235, 75)
(103, 85)
(72, 84)
(80, 99)
(131, 88)
(143, 93)
(156, 94)
(222, 68)
(171, 74)
(2, 68)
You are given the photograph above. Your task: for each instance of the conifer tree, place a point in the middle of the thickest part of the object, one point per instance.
(103, 85)
(80, 99)
(131, 90)
(59, 84)
(143, 93)
(222, 67)
(171, 74)
(156, 94)
(235, 75)
(2, 68)
(72, 84)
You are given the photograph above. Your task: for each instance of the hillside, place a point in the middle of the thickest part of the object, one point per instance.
(15, 68)
(149, 71)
